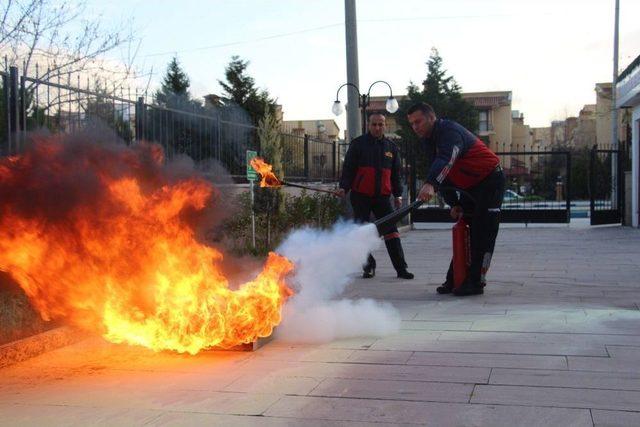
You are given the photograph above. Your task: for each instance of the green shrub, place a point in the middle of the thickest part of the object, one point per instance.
(275, 217)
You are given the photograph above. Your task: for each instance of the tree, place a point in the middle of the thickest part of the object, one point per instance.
(101, 111)
(58, 37)
(53, 39)
(441, 92)
(182, 131)
(271, 146)
(174, 91)
(270, 200)
(240, 89)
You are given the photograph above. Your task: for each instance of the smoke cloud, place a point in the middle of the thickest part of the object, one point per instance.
(326, 262)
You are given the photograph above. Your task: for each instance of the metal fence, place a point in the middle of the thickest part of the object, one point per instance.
(606, 184)
(64, 104)
(538, 187)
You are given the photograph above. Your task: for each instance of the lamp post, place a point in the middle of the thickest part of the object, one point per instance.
(391, 105)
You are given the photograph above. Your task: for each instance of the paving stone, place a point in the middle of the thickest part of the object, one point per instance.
(603, 364)
(395, 390)
(32, 415)
(570, 379)
(488, 360)
(615, 419)
(273, 384)
(195, 419)
(557, 397)
(435, 325)
(425, 413)
(402, 343)
(379, 357)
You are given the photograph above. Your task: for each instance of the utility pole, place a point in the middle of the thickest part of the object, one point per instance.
(353, 99)
(614, 112)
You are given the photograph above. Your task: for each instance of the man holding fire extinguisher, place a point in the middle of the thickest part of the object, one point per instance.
(461, 160)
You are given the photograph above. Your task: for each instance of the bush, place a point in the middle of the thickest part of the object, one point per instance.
(275, 217)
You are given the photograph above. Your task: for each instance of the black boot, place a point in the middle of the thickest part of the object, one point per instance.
(469, 287)
(404, 274)
(447, 286)
(394, 247)
(369, 269)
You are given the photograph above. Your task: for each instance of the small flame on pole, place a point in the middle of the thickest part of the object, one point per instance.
(270, 180)
(265, 170)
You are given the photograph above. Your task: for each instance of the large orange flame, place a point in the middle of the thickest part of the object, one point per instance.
(264, 169)
(103, 238)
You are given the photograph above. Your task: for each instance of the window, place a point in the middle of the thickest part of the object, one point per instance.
(483, 121)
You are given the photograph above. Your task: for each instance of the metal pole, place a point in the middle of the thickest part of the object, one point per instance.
(614, 112)
(334, 158)
(139, 111)
(363, 112)
(306, 156)
(351, 33)
(13, 109)
(253, 217)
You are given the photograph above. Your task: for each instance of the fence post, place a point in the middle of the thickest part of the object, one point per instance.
(139, 119)
(4, 150)
(568, 187)
(23, 104)
(13, 110)
(333, 155)
(621, 181)
(306, 156)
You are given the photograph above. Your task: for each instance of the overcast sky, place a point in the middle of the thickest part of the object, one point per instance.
(549, 53)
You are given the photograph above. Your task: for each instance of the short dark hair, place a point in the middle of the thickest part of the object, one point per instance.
(421, 106)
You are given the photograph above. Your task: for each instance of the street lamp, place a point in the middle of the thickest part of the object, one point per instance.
(391, 105)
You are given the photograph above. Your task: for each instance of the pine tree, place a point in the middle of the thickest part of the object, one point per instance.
(175, 87)
(240, 89)
(441, 92)
(271, 146)
(271, 200)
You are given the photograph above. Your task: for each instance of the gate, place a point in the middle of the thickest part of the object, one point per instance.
(538, 189)
(606, 185)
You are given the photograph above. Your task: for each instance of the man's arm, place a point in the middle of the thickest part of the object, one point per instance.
(449, 149)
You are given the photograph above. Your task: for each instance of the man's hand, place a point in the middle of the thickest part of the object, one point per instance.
(339, 192)
(397, 202)
(426, 192)
(456, 212)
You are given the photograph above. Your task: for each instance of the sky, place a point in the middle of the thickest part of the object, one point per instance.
(549, 53)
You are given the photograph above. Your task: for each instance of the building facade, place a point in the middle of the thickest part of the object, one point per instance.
(628, 99)
(325, 130)
(494, 118)
(604, 106)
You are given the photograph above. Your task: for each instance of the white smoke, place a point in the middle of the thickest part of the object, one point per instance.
(326, 262)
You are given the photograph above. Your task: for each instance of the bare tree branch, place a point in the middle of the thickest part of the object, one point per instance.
(54, 35)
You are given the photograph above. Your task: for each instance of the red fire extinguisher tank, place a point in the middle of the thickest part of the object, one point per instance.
(461, 251)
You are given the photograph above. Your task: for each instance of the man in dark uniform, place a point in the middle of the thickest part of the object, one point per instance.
(462, 160)
(371, 170)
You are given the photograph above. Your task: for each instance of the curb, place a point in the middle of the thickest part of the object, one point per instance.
(26, 348)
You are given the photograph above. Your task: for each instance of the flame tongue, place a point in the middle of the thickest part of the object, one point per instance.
(98, 236)
(264, 169)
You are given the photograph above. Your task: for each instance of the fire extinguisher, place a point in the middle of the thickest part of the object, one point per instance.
(461, 251)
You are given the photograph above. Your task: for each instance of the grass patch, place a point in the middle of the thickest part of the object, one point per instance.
(18, 319)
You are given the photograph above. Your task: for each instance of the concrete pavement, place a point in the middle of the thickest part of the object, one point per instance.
(555, 340)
